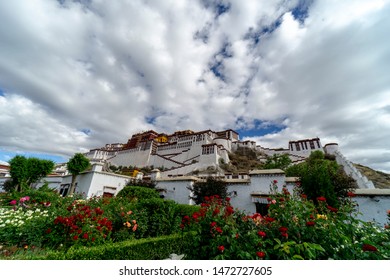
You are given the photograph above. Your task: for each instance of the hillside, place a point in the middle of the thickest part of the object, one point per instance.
(380, 179)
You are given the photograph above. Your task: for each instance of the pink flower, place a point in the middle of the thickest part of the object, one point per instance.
(13, 202)
(23, 199)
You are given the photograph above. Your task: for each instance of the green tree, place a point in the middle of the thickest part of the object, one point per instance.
(77, 164)
(26, 171)
(278, 161)
(322, 177)
(212, 186)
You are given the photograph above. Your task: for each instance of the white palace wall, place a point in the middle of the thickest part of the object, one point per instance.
(349, 168)
(244, 193)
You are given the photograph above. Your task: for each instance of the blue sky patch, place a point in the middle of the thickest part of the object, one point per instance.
(258, 128)
(301, 11)
(7, 156)
(86, 131)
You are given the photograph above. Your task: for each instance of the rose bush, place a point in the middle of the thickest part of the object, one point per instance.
(294, 228)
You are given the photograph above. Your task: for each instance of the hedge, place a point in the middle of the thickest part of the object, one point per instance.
(157, 248)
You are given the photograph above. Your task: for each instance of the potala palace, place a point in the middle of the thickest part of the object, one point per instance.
(175, 157)
(186, 151)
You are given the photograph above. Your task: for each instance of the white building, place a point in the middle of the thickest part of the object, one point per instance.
(249, 193)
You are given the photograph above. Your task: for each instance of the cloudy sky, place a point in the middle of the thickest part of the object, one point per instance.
(75, 75)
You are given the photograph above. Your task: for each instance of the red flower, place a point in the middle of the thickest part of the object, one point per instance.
(310, 224)
(48, 230)
(75, 237)
(332, 209)
(321, 198)
(227, 199)
(213, 224)
(85, 236)
(281, 199)
(219, 230)
(368, 247)
(284, 234)
(304, 196)
(260, 254)
(351, 194)
(221, 248)
(229, 210)
(269, 219)
(237, 235)
(262, 234)
(275, 181)
(283, 229)
(216, 212)
(195, 216)
(269, 199)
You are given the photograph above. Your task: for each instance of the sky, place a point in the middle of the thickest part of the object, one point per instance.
(75, 75)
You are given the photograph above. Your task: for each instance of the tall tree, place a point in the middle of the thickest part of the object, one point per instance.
(322, 177)
(77, 164)
(26, 171)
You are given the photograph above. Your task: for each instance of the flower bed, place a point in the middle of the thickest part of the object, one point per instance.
(294, 228)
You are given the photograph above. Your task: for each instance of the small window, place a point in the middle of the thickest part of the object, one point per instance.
(298, 148)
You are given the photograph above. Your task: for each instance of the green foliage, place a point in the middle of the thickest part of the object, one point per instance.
(322, 177)
(77, 164)
(278, 161)
(157, 248)
(141, 183)
(135, 193)
(161, 216)
(295, 228)
(212, 186)
(25, 171)
(187, 210)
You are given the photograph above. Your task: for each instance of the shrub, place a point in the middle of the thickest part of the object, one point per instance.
(23, 227)
(134, 193)
(212, 186)
(294, 228)
(82, 225)
(157, 248)
(162, 216)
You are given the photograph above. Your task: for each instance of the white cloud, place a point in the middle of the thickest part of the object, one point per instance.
(116, 68)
